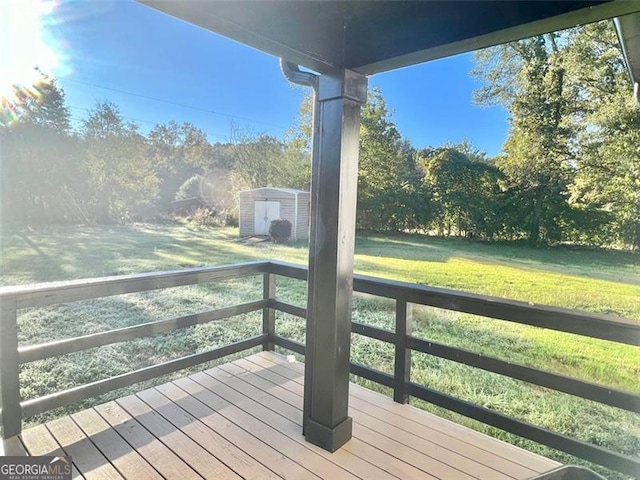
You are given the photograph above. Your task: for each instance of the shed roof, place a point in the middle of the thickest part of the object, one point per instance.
(376, 36)
(292, 191)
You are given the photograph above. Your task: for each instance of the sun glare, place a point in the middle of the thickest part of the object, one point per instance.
(27, 49)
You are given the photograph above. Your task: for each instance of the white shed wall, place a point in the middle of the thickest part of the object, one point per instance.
(288, 210)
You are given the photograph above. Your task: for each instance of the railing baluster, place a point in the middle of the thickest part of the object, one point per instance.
(402, 370)
(9, 369)
(268, 313)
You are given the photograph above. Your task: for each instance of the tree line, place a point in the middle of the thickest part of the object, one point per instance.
(104, 169)
(569, 170)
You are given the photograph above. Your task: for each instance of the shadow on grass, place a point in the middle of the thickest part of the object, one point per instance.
(67, 253)
(440, 249)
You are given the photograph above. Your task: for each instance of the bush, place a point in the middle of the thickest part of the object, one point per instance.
(280, 230)
(231, 220)
(206, 217)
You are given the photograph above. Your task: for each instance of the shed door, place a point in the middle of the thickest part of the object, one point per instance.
(265, 212)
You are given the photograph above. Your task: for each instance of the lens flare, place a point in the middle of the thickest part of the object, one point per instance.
(27, 50)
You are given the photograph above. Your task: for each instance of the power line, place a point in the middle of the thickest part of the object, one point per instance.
(151, 122)
(123, 116)
(170, 102)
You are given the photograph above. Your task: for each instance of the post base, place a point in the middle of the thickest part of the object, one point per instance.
(330, 439)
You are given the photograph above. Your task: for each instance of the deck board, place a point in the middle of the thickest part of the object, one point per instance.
(200, 460)
(289, 461)
(39, 441)
(289, 420)
(192, 426)
(475, 445)
(368, 445)
(121, 455)
(167, 463)
(243, 420)
(12, 447)
(85, 455)
(439, 461)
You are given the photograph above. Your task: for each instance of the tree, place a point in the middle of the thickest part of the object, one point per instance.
(260, 160)
(42, 105)
(38, 155)
(121, 179)
(391, 196)
(607, 181)
(465, 189)
(179, 151)
(571, 162)
(528, 77)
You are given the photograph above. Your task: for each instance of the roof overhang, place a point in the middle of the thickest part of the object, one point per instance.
(377, 36)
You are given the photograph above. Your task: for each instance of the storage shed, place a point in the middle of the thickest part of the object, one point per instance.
(258, 207)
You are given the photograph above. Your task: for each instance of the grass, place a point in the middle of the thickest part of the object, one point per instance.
(585, 279)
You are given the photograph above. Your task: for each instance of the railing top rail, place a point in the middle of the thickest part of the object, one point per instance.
(43, 294)
(606, 327)
(287, 269)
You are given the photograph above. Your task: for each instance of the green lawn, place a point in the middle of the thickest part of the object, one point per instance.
(591, 280)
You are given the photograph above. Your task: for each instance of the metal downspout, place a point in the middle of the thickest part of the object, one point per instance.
(622, 40)
(292, 72)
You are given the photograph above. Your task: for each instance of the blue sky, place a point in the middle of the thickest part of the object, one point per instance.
(108, 46)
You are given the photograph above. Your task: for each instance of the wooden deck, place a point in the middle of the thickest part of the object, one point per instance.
(243, 420)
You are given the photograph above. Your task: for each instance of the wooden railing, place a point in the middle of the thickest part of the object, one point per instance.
(12, 356)
(596, 326)
(13, 409)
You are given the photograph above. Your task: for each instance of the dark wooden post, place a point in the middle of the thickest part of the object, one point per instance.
(402, 370)
(9, 369)
(339, 96)
(268, 313)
